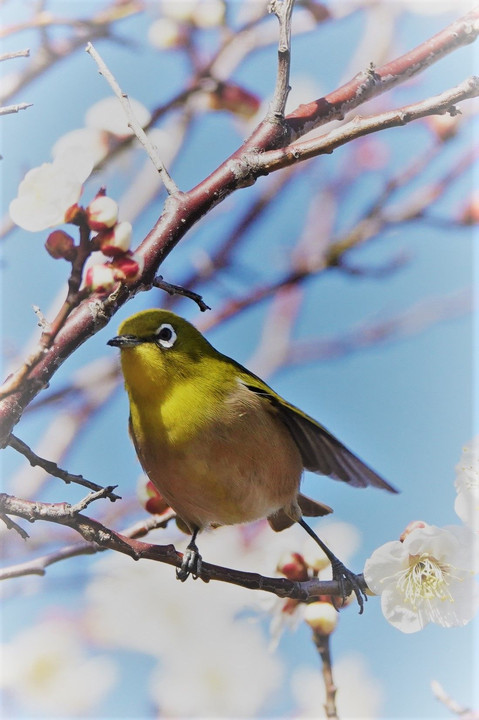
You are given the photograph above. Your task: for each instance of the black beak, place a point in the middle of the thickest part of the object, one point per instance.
(123, 341)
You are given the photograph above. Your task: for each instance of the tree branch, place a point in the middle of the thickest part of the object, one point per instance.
(94, 532)
(52, 469)
(358, 127)
(282, 9)
(10, 109)
(375, 81)
(133, 123)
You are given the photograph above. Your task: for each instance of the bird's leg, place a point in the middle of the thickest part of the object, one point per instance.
(191, 564)
(340, 571)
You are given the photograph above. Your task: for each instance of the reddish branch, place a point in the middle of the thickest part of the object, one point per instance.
(104, 538)
(183, 210)
(375, 81)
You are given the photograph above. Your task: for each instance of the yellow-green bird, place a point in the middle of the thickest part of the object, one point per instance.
(219, 444)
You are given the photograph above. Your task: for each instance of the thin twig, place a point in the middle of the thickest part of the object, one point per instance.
(463, 712)
(10, 109)
(282, 9)
(39, 565)
(133, 123)
(10, 525)
(323, 647)
(158, 282)
(14, 54)
(52, 468)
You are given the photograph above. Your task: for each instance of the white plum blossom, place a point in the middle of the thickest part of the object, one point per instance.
(165, 33)
(108, 115)
(428, 577)
(467, 485)
(48, 672)
(47, 192)
(228, 670)
(230, 674)
(90, 141)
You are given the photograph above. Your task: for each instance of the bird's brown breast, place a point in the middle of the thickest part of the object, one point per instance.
(241, 464)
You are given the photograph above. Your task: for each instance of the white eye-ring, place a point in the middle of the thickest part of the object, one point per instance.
(165, 335)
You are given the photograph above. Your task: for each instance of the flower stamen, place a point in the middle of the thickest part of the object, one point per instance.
(426, 578)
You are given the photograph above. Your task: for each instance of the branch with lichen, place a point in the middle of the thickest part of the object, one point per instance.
(105, 538)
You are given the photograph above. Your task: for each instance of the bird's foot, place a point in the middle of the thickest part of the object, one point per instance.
(191, 564)
(341, 573)
(346, 577)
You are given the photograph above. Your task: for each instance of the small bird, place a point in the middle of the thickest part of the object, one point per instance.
(218, 443)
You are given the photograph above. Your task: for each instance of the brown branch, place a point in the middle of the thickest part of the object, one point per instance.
(51, 330)
(14, 54)
(360, 126)
(282, 9)
(158, 282)
(222, 256)
(375, 81)
(39, 565)
(322, 643)
(105, 538)
(52, 469)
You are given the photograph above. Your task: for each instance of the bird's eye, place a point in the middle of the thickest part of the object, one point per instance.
(165, 335)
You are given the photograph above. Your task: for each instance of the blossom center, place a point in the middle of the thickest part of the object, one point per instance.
(425, 579)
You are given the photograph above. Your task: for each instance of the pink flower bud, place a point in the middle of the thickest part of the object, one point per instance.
(293, 566)
(322, 617)
(101, 279)
(128, 267)
(102, 213)
(60, 244)
(413, 525)
(151, 498)
(115, 241)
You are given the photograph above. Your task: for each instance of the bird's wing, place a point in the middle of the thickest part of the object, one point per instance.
(321, 452)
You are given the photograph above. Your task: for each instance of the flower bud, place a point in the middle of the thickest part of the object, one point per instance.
(151, 498)
(321, 617)
(165, 33)
(316, 559)
(413, 525)
(128, 267)
(115, 241)
(102, 213)
(444, 126)
(292, 566)
(60, 244)
(101, 279)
